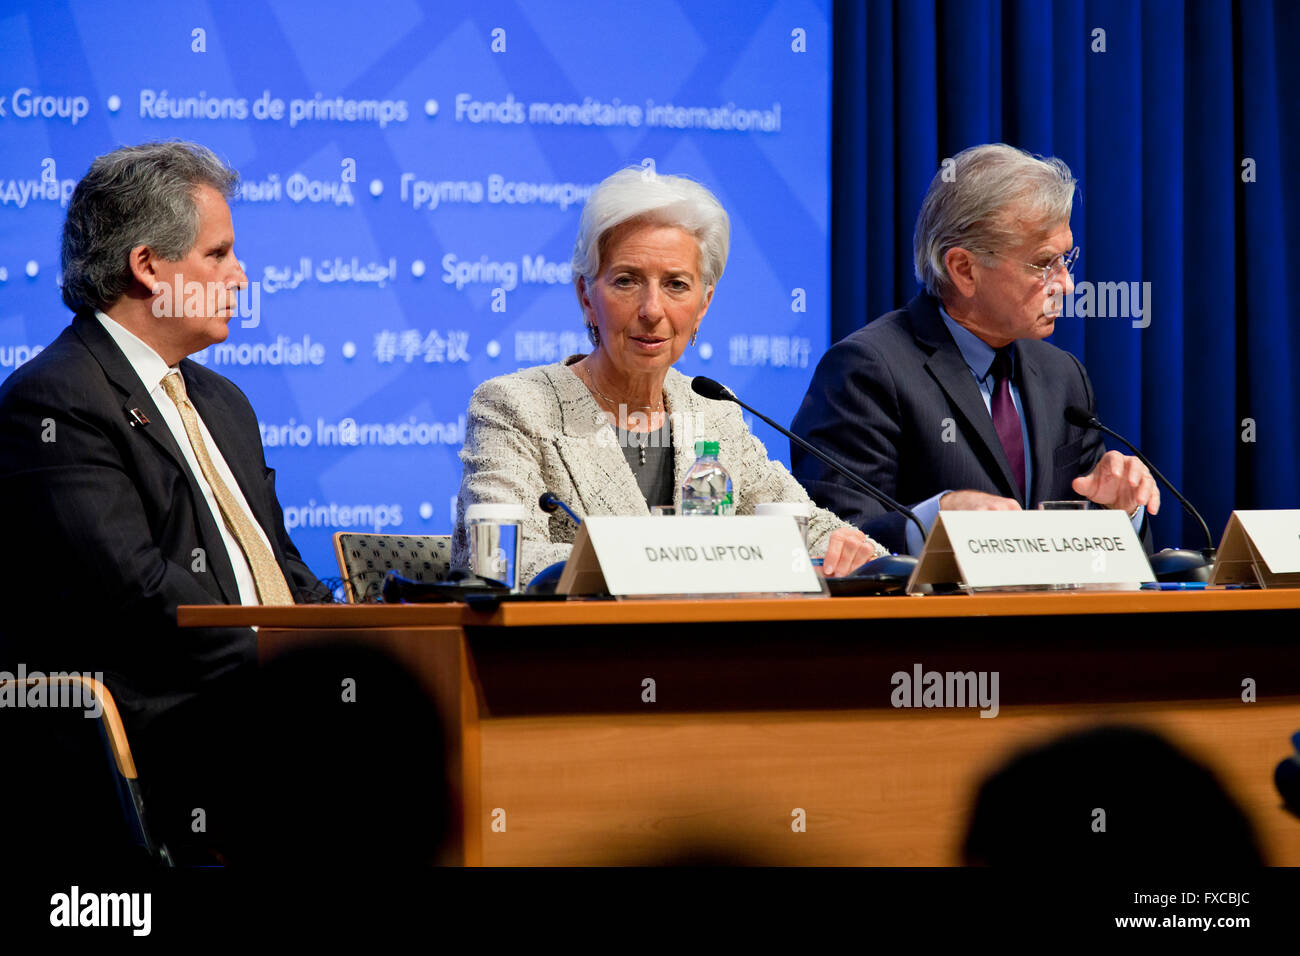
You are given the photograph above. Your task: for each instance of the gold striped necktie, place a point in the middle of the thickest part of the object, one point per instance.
(271, 586)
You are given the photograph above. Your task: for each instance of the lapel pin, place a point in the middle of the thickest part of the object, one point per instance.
(138, 418)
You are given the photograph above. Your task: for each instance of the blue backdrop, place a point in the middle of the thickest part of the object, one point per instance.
(385, 297)
(1179, 120)
(413, 176)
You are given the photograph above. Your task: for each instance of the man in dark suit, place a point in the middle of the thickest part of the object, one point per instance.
(136, 478)
(953, 403)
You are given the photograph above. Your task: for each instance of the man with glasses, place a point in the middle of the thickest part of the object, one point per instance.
(953, 402)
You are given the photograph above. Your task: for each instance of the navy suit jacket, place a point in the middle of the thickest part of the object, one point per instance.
(897, 404)
(109, 533)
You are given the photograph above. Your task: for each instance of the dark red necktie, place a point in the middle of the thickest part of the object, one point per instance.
(1005, 420)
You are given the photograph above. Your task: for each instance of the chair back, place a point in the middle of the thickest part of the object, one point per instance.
(78, 792)
(364, 559)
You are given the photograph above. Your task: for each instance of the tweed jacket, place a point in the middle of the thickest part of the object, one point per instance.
(541, 430)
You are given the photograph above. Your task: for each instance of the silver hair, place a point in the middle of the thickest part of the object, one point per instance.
(642, 195)
(976, 203)
(134, 196)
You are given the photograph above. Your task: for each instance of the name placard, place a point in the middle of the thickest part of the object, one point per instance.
(992, 549)
(1260, 547)
(631, 555)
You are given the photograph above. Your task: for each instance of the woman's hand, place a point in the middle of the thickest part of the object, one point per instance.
(847, 549)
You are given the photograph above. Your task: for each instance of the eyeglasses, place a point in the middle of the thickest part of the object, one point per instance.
(1064, 261)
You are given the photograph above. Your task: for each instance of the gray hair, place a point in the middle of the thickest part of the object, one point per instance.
(642, 195)
(134, 196)
(969, 203)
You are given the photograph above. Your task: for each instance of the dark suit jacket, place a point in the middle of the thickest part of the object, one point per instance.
(882, 399)
(105, 519)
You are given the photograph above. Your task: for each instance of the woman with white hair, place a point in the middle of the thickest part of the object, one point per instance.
(613, 431)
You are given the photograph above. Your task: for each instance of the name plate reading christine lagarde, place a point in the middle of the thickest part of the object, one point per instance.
(689, 555)
(986, 549)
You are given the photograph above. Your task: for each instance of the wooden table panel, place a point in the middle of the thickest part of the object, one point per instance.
(705, 610)
(763, 706)
(878, 787)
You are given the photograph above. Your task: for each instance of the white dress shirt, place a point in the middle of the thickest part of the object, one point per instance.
(151, 368)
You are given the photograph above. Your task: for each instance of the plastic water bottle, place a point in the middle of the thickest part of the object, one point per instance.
(707, 490)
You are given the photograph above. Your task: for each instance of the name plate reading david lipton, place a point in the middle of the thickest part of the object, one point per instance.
(644, 556)
(1000, 549)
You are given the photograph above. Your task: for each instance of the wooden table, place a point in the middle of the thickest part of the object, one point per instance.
(765, 708)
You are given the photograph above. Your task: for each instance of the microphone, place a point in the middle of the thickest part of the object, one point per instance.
(550, 504)
(546, 580)
(708, 388)
(1170, 564)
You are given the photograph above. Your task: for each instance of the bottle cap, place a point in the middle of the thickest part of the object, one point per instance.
(706, 448)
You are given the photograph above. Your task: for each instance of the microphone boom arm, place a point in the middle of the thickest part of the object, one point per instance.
(817, 453)
(1137, 453)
